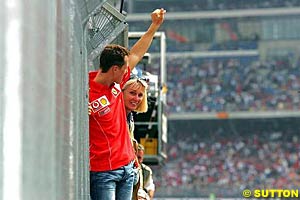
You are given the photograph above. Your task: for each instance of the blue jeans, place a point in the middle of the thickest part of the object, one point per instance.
(112, 185)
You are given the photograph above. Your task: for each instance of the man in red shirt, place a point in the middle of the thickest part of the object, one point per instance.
(111, 152)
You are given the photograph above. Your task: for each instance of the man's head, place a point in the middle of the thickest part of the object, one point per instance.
(114, 60)
(135, 95)
(140, 153)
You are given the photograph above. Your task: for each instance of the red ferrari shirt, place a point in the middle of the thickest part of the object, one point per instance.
(110, 144)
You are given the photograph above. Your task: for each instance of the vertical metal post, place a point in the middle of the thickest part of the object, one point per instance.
(12, 132)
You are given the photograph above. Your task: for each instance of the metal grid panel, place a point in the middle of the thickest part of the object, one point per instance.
(103, 26)
(86, 7)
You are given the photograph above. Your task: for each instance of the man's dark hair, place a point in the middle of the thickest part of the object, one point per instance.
(112, 55)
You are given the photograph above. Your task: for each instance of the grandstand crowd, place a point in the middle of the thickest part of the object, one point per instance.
(232, 84)
(208, 5)
(225, 162)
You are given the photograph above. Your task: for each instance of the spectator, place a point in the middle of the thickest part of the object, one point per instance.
(146, 180)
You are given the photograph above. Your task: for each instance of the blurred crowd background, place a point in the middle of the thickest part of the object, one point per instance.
(228, 56)
(226, 157)
(142, 6)
(230, 84)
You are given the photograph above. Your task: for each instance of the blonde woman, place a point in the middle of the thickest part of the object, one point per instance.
(135, 99)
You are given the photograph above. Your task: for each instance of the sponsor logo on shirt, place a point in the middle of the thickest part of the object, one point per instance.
(116, 90)
(99, 103)
(104, 111)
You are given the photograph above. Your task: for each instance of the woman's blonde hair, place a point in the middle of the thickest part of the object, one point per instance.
(137, 83)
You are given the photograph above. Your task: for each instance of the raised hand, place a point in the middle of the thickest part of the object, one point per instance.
(158, 16)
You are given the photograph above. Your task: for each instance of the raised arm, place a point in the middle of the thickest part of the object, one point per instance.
(142, 45)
